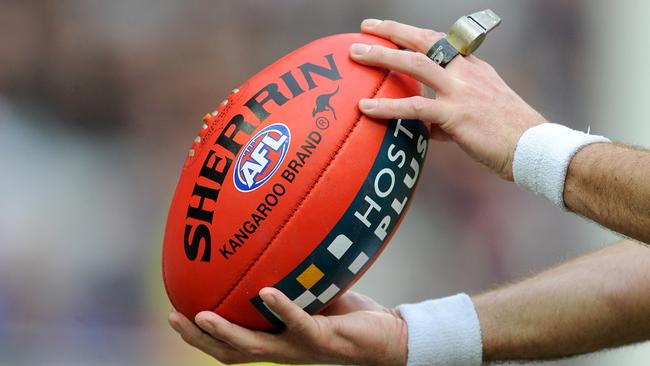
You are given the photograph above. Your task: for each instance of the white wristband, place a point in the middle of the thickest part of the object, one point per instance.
(443, 332)
(542, 158)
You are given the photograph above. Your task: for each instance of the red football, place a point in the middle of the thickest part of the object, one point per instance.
(289, 185)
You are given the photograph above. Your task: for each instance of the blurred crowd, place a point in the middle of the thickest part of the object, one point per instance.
(99, 101)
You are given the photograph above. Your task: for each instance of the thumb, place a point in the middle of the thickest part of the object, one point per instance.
(294, 317)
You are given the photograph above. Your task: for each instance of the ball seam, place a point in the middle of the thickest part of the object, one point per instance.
(216, 124)
(300, 202)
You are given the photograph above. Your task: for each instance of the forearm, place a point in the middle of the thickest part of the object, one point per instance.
(597, 301)
(610, 184)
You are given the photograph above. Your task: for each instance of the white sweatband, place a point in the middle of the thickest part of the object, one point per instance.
(443, 332)
(542, 158)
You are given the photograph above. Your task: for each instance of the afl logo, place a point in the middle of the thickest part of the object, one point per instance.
(261, 157)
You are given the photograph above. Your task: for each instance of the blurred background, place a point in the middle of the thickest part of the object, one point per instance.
(99, 101)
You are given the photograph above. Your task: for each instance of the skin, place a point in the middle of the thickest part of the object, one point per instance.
(353, 330)
(591, 303)
(598, 301)
(608, 183)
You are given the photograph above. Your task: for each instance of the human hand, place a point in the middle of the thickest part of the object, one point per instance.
(473, 106)
(353, 330)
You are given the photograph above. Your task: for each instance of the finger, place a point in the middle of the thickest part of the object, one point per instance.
(294, 317)
(196, 338)
(415, 64)
(174, 320)
(407, 36)
(245, 340)
(417, 107)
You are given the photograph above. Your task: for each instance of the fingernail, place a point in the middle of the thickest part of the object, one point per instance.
(368, 104)
(267, 297)
(370, 22)
(359, 49)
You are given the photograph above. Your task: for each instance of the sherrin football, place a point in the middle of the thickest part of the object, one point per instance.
(289, 185)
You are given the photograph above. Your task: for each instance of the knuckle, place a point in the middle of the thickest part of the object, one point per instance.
(419, 60)
(383, 104)
(488, 67)
(419, 106)
(391, 106)
(223, 328)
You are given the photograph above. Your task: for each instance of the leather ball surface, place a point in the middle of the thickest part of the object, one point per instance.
(289, 185)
